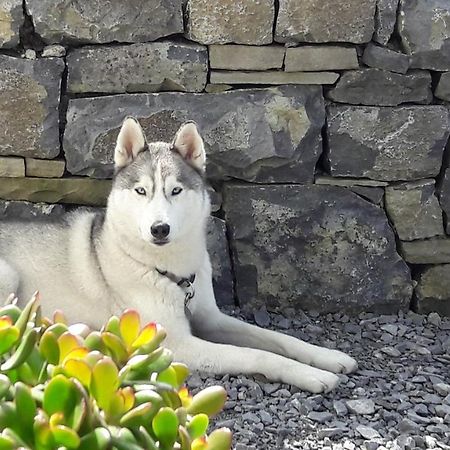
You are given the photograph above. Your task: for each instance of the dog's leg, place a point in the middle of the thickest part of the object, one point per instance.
(224, 359)
(209, 323)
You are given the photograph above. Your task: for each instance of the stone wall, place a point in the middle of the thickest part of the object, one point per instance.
(326, 125)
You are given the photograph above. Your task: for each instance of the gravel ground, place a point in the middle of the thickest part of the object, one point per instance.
(398, 399)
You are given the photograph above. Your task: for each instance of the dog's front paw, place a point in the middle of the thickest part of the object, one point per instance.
(319, 383)
(334, 361)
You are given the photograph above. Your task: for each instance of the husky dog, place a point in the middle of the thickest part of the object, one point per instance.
(148, 252)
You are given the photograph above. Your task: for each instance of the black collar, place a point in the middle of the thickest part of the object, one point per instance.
(187, 284)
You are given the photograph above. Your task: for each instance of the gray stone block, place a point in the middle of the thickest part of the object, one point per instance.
(226, 21)
(15, 210)
(323, 21)
(313, 247)
(29, 117)
(433, 291)
(443, 87)
(11, 18)
(383, 58)
(263, 135)
(382, 88)
(220, 261)
(272, 77)
(389, 144)
(246, 57)
(45, 168)
(310, 58)
(12, 167)
(385, 19)
(414, 210)
(424, 27)
(92, 21)
(158, 66)
(444, 197)
(430, 251)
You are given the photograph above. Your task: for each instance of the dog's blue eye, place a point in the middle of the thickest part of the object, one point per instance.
(176, 191)
(140, 190)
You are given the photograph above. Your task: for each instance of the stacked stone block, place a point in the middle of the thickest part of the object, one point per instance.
(326, 129)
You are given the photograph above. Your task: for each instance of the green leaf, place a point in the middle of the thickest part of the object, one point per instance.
(49, 348)
(23, 350)
(154, 343)
(113, 326)
(182, 372)
(162, 363)
(12, 434)
(129, 326)
(57, 329)
(220, 439)
(25, 407)
(8, 415)
(137, 416)
(60, 395)
(165, 426)
(6, 443)
(146, 440)
(99, 439)
(65, 436)
(8, 337)
(209, 401)
(25, 316)
(5, 384)
(104, 382)
(94, 342)
(168, 376)
(115, 346)
(12, 311)
(42, 433)
(198, 425)
(148, 395)
(184, 438)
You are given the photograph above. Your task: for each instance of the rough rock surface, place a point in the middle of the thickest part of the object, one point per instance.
(80, 191)
(404, 374)
(383, 58)
(385, 18)
(414, 210)
(223, 21)
(322, 21)
(429, 251)
(245, 57)
(444, 198)
(256, 135)
(403, 143)
(152, 67)
(29, 100)
(327, 57)
(91, 21)
(383, 88)
(11, 18)
(29, 211)
(424, 27)
(443, 87)
(433, 290)
(220, 261)
(313, 247)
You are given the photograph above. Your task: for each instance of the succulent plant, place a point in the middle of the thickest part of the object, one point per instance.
(64, 387)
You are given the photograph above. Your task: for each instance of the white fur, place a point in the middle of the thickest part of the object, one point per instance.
(90, 281)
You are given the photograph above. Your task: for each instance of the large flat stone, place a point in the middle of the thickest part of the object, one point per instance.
(220, 261)
(414, 210)
(310, 58)
(443, 87)
(383, 88)
(323, 21)
(272, 77)
(11, 18)
(29, 101)
(383, 58)
(44, 168)
(429, 251)
(424, 27)
(313, 247)
(12, 167)
(158, 66)
(385, 19)
(264, 135)
(433, 290)
(81, 191)
(17, 210)
(246, 57)
(389, 144)
(225, 21)
(92, 21)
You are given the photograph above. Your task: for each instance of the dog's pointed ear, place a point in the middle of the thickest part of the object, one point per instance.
(130, 142)
(189, 144)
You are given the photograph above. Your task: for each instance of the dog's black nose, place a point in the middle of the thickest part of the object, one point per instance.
(160, 230)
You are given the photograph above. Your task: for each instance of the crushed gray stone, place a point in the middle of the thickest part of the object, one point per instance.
(398, 399)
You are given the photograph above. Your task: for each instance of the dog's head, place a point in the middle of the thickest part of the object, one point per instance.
(159, 192)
